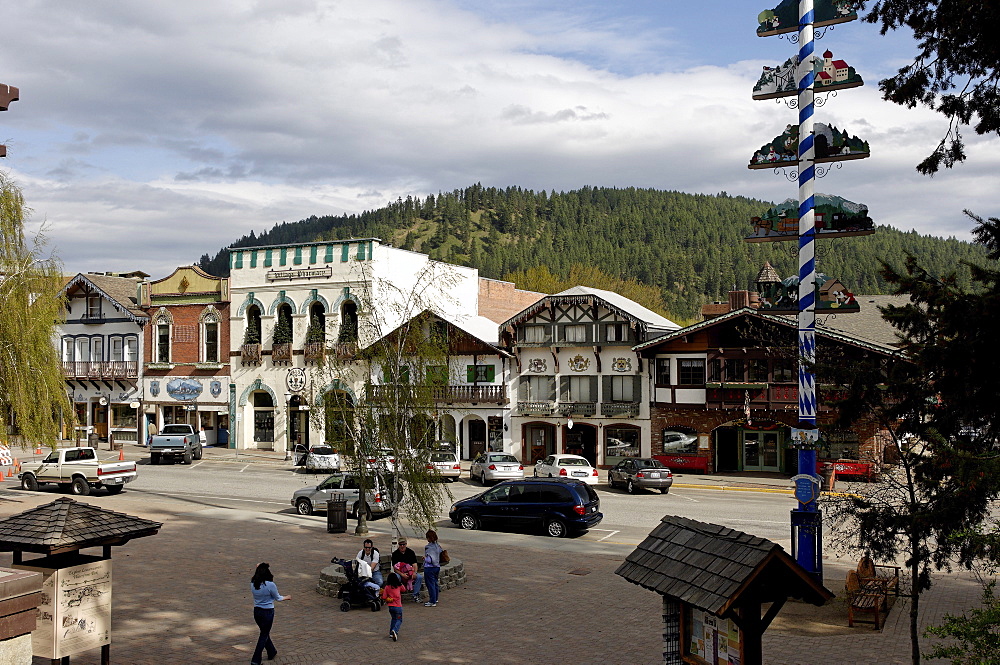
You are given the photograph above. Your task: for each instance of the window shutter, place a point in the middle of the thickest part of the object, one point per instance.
(564, 388)
(239, 260)
(637, 388)
(312, 253)
(267, 258)
(470, 373)
(298, 256)
(593, 388)
(253, 258)
(522, 391)
(491, 373)
(608, 388)
(284, 255)
(551, 388)
(345, 251)
(361, 251)
(329, 253)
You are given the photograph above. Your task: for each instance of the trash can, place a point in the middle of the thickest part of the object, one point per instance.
(336, 514)
(829, 476)
(93, 440)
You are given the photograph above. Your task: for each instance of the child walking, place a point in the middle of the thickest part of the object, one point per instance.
(391, 594)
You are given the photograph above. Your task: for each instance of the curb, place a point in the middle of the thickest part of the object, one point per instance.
(729, 488)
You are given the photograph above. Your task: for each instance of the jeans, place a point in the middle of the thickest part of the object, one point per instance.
(395, 618)
(264, 619)
(418, 582)
(377, 577)
(431, 574)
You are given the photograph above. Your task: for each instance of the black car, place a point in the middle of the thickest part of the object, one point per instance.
(559, 505)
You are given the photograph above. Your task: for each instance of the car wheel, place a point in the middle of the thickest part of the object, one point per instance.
(630, 487)
(29, 482)
(154, 459)
(187, 457)
(664, 490)
(198, 453)
(114, 489)
(345, 606)
(556, 528)
(79, 487)
(468, 521)
(368, 511)
(304, 507)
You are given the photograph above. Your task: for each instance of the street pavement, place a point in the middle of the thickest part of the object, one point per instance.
(182, 596)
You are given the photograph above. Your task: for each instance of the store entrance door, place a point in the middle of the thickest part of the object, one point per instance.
(760, 451)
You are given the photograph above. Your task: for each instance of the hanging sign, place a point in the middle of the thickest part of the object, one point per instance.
(831, 145)
(785, 17)
(829, 74)
(835, 217)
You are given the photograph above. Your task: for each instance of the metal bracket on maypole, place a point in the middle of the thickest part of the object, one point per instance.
(8, 94)
(802, 147)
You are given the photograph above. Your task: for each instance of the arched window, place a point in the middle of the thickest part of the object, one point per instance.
(348, 323)
(252, 335)
(283, 325)
(210, 335)
(162, 324)
(316, 333)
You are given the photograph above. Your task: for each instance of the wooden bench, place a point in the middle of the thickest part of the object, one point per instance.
(884, 577)
(864, 598)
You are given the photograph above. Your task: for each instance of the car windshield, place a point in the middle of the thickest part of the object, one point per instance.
(442, 457)
(649, 464)
(322, 450)
(176, 429)
(573, 461)
(503, 458)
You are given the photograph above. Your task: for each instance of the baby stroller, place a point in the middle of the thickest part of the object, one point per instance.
(355, 593)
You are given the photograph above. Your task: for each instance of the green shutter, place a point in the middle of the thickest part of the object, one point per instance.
(298, 256)
(284, 256)
(470, 373)
(491, 373)
(253, 258)
(329, 253)
(361, 251)
(345, 251)
(312, 254)
(267, 258)
(239, 260)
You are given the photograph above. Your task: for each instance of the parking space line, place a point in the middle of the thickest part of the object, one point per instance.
(610, 533)
(199, 463)
(244, 468)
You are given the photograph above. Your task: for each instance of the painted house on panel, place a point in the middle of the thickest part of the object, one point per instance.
(101, 342)
(466, 385)
(293, 304)
(186, 357)
(725, 395)
(576, 384)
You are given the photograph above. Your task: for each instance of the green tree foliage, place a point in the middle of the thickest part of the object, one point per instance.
(689, 247)
(973, 638)
(32, 387)
(955, 71)
(939, 409)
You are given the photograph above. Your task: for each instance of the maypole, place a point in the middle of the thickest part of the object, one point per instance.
(803, 146)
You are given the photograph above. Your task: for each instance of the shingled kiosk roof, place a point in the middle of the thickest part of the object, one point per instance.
(717, 569)
(66, 525)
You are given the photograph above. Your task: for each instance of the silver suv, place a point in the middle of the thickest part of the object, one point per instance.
(309, 499)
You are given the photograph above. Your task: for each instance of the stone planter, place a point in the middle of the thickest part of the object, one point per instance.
(332, 577)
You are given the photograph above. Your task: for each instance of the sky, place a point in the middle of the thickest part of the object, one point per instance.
(150, 133)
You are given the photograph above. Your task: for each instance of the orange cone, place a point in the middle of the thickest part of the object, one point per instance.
(9, 472)
(38, 449)
(121, 455)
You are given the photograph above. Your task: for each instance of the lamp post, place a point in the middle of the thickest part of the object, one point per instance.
(288, 423)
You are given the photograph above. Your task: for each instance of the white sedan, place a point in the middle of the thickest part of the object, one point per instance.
(494, 467)
(566, 466)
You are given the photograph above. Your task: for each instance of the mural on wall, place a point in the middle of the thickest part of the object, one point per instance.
(785, 17)
(830, 74)
(835, 217)
(184, 390)
(782, 297)
(621, 364)
(578, 363)
(537, 365)
(832, 145)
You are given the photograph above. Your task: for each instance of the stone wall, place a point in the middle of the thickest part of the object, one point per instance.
(332, 577)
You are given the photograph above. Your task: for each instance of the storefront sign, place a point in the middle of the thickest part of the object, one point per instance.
(307, 273)
(296, 379)
(184, 390)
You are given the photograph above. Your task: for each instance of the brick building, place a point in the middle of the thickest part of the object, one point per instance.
(186, 357)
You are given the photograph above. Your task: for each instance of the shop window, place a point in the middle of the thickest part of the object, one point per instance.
(691, 372)
(679, 440)
(621, 442)
(839, 444)
(122, 415)
(663, 371)
(480, 373)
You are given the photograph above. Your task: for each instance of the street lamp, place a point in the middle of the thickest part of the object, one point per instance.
(288, 423)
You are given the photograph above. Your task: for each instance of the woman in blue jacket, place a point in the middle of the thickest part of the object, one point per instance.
(265, 593)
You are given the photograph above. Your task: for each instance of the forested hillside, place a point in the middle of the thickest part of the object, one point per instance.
(688, 247)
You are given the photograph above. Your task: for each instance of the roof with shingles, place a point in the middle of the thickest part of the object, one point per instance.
(122, 292)
(631, 310)
(65, 525)
(713, 567)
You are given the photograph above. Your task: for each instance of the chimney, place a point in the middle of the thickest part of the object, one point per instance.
(738, 300)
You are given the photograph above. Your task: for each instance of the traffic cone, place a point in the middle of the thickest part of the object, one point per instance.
(121, 455)
(10, 474)
(38, 449)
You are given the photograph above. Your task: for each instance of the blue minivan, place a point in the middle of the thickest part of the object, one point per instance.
(559, 505)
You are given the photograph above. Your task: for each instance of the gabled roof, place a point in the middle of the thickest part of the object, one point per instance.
(785, 321)
(480, 328)
(716, 569)
(629, 309)
(66, 525)
(121, 292)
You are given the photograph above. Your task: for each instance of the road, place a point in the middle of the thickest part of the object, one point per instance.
(267, 488)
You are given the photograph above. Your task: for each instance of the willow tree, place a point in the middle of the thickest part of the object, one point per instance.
(32, 390)
(383, 419)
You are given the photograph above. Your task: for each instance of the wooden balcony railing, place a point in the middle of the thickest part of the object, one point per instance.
(535, 408)
(584, 409)
(250, 354)
(314, 352)
(620, 409)
(770, 396)
(443, 394)
(101, 369)
(344, 350)
(281, 353)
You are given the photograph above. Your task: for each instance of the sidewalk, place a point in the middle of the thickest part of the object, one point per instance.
(182, 596)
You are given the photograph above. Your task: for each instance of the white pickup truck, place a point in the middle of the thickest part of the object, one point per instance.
(175, 441)
(79, 470)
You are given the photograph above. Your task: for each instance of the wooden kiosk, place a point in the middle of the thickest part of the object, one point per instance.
(715, 582)
(75, 612)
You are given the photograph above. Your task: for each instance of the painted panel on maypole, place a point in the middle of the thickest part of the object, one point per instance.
(781, 296)
(830, 74)
(831, 144)
(834, 217)
(785, 17)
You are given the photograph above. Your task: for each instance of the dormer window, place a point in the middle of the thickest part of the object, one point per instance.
(93, 307)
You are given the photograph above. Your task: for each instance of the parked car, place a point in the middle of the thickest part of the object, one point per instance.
(310, 499)
(641, 473)
(383, 459)
(176, 441)
(79, 470)
(319, 457)
(445, 465)
(491, 467)
(560, 505)
(566, 466)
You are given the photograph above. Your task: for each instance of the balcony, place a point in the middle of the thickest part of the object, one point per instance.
(767, 396)
(443, 394)
(344, 350)
(101, 369)
(281, 353)
(250, 354)
(535, 408)
(582, 409)
(314, 352)
(620, 409)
